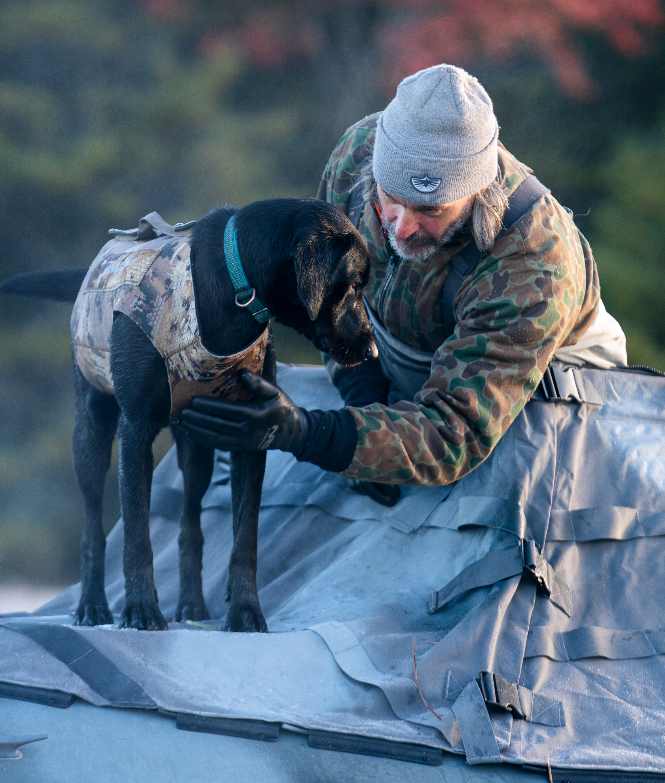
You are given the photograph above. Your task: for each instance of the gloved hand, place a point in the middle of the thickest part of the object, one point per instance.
(385, 494)
(271, 420)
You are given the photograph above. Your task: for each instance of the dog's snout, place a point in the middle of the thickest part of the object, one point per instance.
(372, 352)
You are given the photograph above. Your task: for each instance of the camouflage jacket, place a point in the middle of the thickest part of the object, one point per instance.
(536, 291)
(151, 282)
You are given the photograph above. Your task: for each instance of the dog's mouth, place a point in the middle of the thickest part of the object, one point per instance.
(349, 354)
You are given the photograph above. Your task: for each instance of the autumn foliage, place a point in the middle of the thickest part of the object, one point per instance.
(413, 34)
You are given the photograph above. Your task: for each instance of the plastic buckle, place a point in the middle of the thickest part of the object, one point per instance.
(501, 694)
(558, 384)
(536, 565)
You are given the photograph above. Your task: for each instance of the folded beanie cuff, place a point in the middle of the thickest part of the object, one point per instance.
(423, 179)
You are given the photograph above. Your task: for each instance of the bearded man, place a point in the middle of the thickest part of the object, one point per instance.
(479, 279)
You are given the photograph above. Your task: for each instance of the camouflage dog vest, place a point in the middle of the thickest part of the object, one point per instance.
(151, 282)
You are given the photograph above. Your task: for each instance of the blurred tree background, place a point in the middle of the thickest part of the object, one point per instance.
(110, 109)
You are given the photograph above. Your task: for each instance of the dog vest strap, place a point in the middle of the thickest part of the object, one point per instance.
(245, 294)
(461, 265)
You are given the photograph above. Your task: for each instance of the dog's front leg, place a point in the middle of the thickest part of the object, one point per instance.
(196, 463)
(135, 457)
(247, 470)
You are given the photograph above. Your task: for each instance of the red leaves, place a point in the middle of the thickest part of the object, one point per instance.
(414, 34)
(461, 31)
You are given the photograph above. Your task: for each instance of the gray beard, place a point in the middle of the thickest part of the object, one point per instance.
(419, 247)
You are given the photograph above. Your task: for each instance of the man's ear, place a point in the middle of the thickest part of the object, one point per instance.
(316, 260)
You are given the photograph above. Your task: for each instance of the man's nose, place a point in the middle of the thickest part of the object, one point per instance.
(406, 223)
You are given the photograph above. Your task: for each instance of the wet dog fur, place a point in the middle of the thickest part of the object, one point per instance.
(308, 266)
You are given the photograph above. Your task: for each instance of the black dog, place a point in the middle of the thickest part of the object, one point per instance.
(308, 265)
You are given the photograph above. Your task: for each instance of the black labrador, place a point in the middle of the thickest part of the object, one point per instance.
(308, 266)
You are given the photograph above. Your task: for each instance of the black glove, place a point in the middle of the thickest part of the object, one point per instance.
(271, 420)
(385, 494)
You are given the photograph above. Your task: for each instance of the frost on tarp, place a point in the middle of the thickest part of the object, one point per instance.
(345, 587)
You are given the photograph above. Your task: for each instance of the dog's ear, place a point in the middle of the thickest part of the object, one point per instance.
(316, 260)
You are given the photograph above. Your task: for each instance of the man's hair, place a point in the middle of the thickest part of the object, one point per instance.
(486, 217)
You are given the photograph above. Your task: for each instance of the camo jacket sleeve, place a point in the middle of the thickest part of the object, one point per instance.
(536, 291)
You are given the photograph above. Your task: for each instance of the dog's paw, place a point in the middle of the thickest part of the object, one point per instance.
(191, 610)
(246, 618)
(143, 618)
(89, 613)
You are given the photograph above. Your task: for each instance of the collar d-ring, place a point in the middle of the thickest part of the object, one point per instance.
(249, 301)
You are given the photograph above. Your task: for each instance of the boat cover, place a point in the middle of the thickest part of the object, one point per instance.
(515, 616)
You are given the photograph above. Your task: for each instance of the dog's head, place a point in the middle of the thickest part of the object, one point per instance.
(332, 268)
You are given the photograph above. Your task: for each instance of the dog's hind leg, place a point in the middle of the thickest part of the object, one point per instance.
(96, 422)
(196, 463)
(142, 390)
(247, 472)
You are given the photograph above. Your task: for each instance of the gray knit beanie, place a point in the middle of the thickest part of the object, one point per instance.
(437, 140)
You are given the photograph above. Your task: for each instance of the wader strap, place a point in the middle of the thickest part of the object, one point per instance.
(357, 202)
(461, 265)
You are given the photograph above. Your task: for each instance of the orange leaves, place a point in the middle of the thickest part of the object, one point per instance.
(462, 31)
(412, 34)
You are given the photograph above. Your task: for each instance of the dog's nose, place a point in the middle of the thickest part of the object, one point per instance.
(371, 352)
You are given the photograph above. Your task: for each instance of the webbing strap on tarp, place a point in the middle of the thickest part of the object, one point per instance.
(480, 745)
(593, 642)
(616, 523)
(504, 564)
(85, 660)
(499, 694)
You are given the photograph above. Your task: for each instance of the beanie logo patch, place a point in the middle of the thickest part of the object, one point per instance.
(425, 184)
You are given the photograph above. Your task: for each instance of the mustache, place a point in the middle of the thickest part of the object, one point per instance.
(421, 246)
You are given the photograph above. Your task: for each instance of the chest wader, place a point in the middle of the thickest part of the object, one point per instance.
(408, 368)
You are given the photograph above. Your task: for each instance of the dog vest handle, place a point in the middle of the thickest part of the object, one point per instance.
(245, 295)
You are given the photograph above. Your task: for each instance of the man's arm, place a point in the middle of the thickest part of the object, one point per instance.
(521, 305)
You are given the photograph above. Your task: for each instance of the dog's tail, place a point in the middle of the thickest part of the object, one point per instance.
(60, 285)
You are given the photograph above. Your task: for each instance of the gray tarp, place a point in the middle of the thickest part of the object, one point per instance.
(345, 585)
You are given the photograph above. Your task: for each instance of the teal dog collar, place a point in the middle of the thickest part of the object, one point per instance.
(245, 294)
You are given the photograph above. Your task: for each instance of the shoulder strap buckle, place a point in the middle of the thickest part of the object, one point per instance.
(559, 384)
(569, 384)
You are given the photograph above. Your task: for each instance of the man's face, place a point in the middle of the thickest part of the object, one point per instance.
(417, 231)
